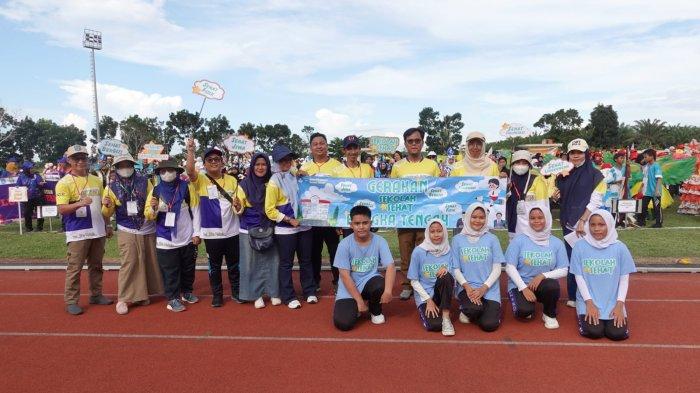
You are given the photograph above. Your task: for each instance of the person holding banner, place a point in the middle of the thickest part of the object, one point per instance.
(259, 265)
(579, 192)
(535, 261)
(413, 166)
(358, 261)
(321, 164)
(35, 195)
(477, 258)
(174, 206)
(139, 274)
(351, 168)
(602, 265)
(78, 199)
(476, 162)
(431, 281)
(281, 206)
(218, 222)
(524, 189)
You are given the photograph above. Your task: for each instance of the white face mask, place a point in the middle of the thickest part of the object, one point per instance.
(521, 169)
(168, 176)
(125, 172)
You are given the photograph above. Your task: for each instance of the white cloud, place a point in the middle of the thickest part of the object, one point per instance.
(75, 120)
(118, 102)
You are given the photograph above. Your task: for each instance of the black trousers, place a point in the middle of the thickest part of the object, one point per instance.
(645, 207)
(547, 293)
(300, 244)
(330, 237)
(487, 315)
(177, 267)
(28, 209)
(217, 249)
(345, 310)
(604, 328)
(442, 296)
(571, 286)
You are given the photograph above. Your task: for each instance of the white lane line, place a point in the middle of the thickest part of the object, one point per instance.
(509, 343)
(19, 294)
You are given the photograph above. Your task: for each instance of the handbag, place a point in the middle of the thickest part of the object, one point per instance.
(260, 237)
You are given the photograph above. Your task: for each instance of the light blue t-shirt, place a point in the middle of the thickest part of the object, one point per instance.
(424, 267)
(476, 260)
(362, 262)
(531, 259)
(653, 172)
(601, 268)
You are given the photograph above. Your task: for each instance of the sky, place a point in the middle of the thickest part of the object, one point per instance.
(364, 66)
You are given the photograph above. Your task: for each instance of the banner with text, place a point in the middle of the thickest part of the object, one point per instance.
(398, 203)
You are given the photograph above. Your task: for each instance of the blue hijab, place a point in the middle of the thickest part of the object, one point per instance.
(576, 190)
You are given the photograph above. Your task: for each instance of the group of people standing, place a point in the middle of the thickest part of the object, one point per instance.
(254, 225)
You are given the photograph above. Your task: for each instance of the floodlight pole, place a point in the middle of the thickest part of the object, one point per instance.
(93, 40)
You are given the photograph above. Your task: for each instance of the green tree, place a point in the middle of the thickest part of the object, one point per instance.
(441, 133)
(678, 134)
(307, 131)
(267, 136)
(108, 129)
(247, 129)
(213, 134)
(137, 131)
(649, 132)
(604, 127)
(7, 134)
(56, 139)
(26, 136)
(335, 148)
(182, 124)
(298, 146)
(559, 123)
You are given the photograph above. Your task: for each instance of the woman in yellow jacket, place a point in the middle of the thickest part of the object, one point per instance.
(281, 206)
(475, 162)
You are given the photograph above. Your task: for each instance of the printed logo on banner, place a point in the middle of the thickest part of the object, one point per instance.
(208, 89)
(384, 144)
(556, 167)
(239, 144)
(467, 186)
(152, 151)
(514, 129)
(346, 187)
(112, 147)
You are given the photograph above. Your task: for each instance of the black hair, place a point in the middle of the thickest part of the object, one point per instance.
(494, 181)
(317, 134)
(360, 210)
(399, 153)
(497, 213)
(618, 155)
(502, 158)
(413, 130)
(650, 152)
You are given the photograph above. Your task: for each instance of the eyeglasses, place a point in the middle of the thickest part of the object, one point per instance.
(414, 141)
(213, 160)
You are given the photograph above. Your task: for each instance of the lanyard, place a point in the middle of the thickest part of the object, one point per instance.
(130, 191)
(352, 171)
(79, 190)
(318, 167)
(172, 201)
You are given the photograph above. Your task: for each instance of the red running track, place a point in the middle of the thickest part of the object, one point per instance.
(239, 348)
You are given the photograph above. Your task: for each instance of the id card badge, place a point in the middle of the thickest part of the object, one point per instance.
(213, 192)
(81, 212)
(520, 210)
(131, 208)
(169, 219)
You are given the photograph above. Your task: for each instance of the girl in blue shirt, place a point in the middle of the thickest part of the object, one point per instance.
(431, 281)
(477, 259)
(535, 261)
(602, 265)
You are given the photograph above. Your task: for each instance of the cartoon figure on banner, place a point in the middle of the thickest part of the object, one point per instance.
(494, 185)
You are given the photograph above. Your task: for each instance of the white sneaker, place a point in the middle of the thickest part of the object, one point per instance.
(260, 303)
(294, 304)
(122, 308)
(275, 301)
(447, 328)
(378, 319)
(312, 299)
(550, 323)
(463, 318)
(406, 294)
(571, 303)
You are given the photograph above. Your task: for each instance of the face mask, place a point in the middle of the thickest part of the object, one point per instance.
(521, 169)
(125, 172)
(168, 176)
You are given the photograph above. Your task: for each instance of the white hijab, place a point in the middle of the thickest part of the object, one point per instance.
(477, 166)
(540, 238)
(610, 238)
(437, 250)
(467, 230)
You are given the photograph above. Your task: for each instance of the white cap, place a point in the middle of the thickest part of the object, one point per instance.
(123, 157)
(521, 155)
(578, 144)
(76, 149)
(432, 153)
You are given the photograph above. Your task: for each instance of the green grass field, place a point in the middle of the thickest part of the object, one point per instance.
(667, 242)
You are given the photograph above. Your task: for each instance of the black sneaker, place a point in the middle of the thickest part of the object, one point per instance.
(100, 300)
(74, 309)
(238, 300)
(217, 301)
(656, 226)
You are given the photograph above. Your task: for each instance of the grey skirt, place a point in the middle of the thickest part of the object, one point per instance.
(259, 271)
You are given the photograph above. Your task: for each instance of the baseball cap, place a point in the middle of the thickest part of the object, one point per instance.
(350, 140)
(521, 155)
(578, 144)
(76, 149)
(123, 157)
(213, 150)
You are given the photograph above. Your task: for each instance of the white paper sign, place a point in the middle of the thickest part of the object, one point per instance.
(112, 147)
(514, 129)
(152, 151)
(18, 194)
(239, 144)
(556, 166)
(627, 206)
(208, 89)
(384, 144)
(49, 211)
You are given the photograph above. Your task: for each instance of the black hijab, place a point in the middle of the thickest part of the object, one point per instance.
(253, 185)
(576, 190)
